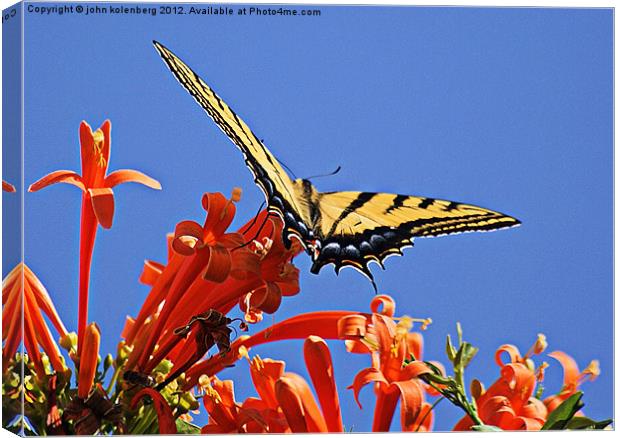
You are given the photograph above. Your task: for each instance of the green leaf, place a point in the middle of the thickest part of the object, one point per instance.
(469, 351)
(458, 359)
(450, 351)
(576, 423)
(559, 417)
(183, 427)
(486, 428)
(459, 332)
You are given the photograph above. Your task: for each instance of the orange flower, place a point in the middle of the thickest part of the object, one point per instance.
(278, 276)
(286, 403)
(204, 253)
(235, 269)
(389, 344)
(7, 187)
(88, 360)
(572, 378)
(509, 403)
(323, 324)
(97, 200)
(22, 288)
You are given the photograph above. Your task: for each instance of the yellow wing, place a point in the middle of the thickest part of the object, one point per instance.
(356, 228)
(268, 174)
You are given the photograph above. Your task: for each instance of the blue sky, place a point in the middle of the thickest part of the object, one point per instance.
(510, 109)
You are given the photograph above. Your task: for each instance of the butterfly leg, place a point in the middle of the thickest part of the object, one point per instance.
(249, 227)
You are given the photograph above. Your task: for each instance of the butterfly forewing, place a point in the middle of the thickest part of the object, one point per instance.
(268, 174)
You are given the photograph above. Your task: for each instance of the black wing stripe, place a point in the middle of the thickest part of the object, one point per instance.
(356, 204)
(426, 202)
(399, 201)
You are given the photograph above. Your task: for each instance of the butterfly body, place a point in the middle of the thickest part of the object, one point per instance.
(340, 228)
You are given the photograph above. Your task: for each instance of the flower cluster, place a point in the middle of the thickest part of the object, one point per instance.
(171, 352)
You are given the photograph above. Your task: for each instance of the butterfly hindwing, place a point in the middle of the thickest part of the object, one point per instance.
(359, 227)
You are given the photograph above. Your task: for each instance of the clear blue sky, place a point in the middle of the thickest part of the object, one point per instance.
(509, 109)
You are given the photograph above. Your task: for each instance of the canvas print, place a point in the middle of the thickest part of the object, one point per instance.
(184, 185)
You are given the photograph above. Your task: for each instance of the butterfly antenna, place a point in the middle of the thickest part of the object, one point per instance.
(326, 174)
(247, 228)
(256, 236)
(287, 168)
(262, 140)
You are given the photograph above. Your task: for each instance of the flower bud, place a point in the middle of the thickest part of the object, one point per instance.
(68, 341)
(541, 344)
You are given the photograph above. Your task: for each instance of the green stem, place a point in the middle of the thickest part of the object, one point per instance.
(117, 371)
(428, 412)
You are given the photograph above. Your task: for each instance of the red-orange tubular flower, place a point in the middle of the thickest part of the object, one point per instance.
(509, 403)
(573, 378)
(285, 403)
(97, 200)
(88, 360)
(209, 269)
(203, 253)
(389, 344)
(22, 288)
(7, 187)
(323, 324)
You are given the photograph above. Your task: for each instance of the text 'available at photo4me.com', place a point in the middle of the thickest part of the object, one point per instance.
(147, 9)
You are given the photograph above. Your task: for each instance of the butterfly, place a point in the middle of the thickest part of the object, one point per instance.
(340, 228)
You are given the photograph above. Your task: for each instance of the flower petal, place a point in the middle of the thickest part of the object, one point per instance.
(534, 408)
(151, 272)
(128, 175)
(88, 360)
(522, 381)
(414, 369)
(415, 344)
(319, 363)
(220, 214)
(59, 176)
(218, 265)
(264, 374)
(352, 327)
(383, 304)
(7, 187)
(424, 422)
(464, 424)
(42, 330)
(384, 409)
(13, 335)
(363, 378)
(312, 413)
(524, 423)
(513, 352)
(44, 300)
(292, 406)
(187, 235)
(411, 397)
(571, 370)
(102, 200)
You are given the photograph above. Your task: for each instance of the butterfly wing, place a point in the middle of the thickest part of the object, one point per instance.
(268, 174)
(356, 228)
